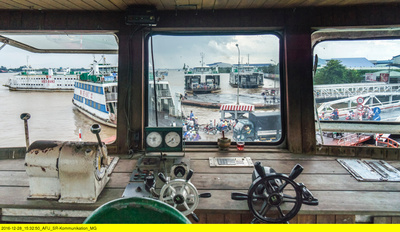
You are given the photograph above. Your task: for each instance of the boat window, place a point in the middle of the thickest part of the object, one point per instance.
(356, 88)
(202, 93)
(63, 42)
(27, 61)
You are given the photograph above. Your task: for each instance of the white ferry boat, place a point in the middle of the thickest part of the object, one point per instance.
(247, 77)
(50, 80)
(96, 93)
(202, 79)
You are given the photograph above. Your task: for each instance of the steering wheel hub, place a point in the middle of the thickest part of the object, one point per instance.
(179, 199)
(275, 199)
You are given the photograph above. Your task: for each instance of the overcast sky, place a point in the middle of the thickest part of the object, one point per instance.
(370, 49)
(175, 51)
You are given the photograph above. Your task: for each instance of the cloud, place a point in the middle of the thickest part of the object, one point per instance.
(174, 51)
(370, 49)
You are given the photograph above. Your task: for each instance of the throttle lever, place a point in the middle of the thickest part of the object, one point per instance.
(239, 196)
(189, 175)
(296, 171)
(260, 169)
(162, 177)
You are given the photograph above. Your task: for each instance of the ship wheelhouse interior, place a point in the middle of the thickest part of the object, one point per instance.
(299, 25)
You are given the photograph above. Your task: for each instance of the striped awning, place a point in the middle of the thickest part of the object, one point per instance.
(233, 107)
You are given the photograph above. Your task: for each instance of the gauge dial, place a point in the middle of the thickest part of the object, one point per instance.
(154, 139)
(172, 139)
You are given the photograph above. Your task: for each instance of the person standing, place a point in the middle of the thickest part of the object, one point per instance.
(191, 116)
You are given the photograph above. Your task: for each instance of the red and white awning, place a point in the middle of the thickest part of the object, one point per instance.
(234, 107)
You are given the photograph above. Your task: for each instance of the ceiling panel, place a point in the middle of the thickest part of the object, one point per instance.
(118, 5)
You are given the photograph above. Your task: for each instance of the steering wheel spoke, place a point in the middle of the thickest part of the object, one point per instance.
(168, 199)
(265, 208)
(280, 211)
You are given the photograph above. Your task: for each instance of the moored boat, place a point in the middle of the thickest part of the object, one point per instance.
(246, 77)
(202, 79)
(96, 93)
(50, 80)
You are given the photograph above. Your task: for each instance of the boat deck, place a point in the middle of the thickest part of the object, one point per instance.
(342, 199)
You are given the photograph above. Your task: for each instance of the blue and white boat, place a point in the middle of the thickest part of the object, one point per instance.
(96, 93)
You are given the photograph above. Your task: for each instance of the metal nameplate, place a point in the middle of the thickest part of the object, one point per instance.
(230, 162)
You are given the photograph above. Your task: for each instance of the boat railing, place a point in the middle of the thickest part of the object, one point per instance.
(387, 141)
(350, 140)
(164, 93)
(111, 97)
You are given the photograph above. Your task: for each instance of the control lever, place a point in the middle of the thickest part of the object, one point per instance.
(260, 169)
(26, 117)
(205, 195)
(189, 175)
(95, 129)
(308, 197)
(296, 171)
(162, 177)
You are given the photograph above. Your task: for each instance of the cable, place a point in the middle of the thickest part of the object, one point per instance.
(154, 76)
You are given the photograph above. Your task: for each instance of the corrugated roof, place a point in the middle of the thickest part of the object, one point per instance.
(349, 62)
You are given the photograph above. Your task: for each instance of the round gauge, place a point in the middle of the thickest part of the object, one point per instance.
(172, 139)
(179, 171)
(154, 139)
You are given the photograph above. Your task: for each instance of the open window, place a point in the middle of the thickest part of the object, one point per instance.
(214, 84)
(356, 87)
(41, 74)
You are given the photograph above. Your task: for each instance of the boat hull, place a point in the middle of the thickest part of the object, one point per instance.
(39, 82)
(38, 89)
(203, 91)
(94, 117)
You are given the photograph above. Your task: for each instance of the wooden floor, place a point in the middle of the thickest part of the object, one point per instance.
(342, 199)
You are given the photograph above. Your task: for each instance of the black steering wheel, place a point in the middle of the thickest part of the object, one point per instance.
(274, 198)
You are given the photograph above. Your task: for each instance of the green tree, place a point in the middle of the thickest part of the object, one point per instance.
(335, 73)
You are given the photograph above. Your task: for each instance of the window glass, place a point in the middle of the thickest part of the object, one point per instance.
(211, 84)
(357, 81)
(54, 113)
(70, 42)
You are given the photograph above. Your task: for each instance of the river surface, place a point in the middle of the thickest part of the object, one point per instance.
(54, 117)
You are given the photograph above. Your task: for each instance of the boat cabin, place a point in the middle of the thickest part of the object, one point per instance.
(202, 79)
(247, 77)
(147, 158)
